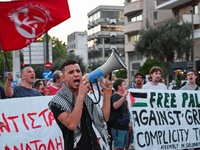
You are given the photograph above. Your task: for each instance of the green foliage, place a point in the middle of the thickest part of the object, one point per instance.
(9, 58)
(95, 65)
(178, 83)
(58, 47)
(148, 65)
(57, 64)
(38, 70)
(59, 50)
(165, 40)
(122, 73)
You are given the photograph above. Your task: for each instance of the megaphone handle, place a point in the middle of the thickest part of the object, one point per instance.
(96, 81)
(94, 93)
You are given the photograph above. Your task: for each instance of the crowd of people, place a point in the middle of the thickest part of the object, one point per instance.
(74, 110)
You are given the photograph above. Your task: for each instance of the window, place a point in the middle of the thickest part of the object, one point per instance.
(195, 9)
(132, 1)
(155, 15)
(110, 14)
(135, 18)
(112, 27)
(133, 37)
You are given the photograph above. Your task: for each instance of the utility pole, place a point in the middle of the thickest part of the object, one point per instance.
(192, 50)
(47, 47)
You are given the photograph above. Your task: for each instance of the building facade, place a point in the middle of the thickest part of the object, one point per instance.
(136, 13)
(77, 44)
(187, 11)
(105, 32)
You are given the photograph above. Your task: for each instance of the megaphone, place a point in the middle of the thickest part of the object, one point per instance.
(114, 62)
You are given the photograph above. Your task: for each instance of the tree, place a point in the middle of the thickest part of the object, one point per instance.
(58, 52)
(148, 65)
(122, 73)
(164, 41)
(58, 47)
(95, 65)
(57, 64)
(9, 58)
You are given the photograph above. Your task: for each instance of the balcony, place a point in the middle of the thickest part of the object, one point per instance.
(132, 7)
(113, 47)
(129, 47)
(113, 34)
(133, 26)
(188, 18)
(169, 4)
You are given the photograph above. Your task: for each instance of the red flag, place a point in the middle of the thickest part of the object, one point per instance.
(22, 22)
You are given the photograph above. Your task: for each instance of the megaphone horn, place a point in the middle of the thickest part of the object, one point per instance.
(114, 62)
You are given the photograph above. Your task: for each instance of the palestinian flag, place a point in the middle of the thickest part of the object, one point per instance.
(138, 99)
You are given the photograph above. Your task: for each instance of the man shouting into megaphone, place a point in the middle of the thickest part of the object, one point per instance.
(75, 112)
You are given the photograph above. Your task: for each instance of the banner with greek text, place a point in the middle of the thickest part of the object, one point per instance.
(30, 125)
(165, 119)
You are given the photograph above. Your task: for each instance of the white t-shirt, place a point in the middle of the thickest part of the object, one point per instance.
(160, 86)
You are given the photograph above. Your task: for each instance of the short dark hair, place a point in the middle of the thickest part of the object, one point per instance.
(68, 62)
(194, 71)
(155, 69)
(56, 75)
(117, 83)
(140, 74)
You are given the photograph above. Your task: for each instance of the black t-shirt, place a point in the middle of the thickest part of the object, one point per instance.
(2, 93)
(122, 112)
(88, 139)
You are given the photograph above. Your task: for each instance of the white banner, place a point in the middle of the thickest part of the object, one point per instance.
(165, 119)
(30, 125)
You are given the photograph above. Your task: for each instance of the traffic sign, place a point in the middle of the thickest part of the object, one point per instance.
(47, 74)
(47, 65)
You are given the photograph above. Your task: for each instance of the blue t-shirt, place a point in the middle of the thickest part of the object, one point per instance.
(20, 91)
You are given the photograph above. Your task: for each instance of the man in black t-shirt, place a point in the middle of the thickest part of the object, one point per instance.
(120, 126)
(75, 112)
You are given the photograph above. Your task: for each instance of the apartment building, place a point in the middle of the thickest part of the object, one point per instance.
(105, 32)
(136, 13)
(77, 44)
(188, 11)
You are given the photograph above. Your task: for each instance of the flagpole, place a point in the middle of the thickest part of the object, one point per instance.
(7, 62)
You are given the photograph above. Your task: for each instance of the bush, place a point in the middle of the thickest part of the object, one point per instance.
(122, 73)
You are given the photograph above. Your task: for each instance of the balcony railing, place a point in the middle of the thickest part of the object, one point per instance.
(161, 1)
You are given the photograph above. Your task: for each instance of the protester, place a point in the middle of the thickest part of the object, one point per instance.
(155, 74)
(191, 85)
(120, 125)
(2, 93)
(75, 112)
(191, 78)
(20, 81)
(139, 81)
(57, 83)
(25, 89)
(2, 125)
(39, 84)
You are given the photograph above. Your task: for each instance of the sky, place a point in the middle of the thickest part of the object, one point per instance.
(78, 20)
